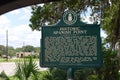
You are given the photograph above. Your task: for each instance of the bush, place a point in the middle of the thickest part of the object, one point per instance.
(92, 77)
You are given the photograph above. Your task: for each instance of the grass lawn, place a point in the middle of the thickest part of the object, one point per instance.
(14, 60)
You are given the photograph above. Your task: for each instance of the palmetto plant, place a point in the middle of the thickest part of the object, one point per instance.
(3, 76)
(26, 68)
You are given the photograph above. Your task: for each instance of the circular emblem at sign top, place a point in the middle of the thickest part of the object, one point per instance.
(69, 17)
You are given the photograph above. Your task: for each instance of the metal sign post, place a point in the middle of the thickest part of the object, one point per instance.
(70, 74)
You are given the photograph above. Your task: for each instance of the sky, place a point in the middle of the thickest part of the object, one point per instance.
(19, 32)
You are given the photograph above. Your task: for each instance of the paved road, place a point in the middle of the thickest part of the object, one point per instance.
(9, 67)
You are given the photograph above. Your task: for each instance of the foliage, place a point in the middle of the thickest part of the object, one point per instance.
(37, 49)
(13, 78)
(84, 73)
(14, 60)
(92, 77)
(2, 49)
(110, 69)
(111, 22)
(25, 69)
(28, 48)
(3, 76)
(105, 12)
(45, 75)
(50, 13)
(52, 74)
(58, 74)
(18, 49)
(11, 51)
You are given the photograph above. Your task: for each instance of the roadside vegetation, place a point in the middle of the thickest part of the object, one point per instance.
(11, 53)
(28, 70)
(15, 60)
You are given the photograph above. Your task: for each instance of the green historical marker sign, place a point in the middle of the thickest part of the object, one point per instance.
(71, 43)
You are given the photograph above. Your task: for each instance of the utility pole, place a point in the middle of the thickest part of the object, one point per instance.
(23, 44)
(7, 45)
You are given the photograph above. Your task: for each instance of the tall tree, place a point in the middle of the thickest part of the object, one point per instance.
(18, 49)
(28, 48)
(37, 49)
(11, 51)
(2, 50)
(111, 21)
(50, 13)
(105, 11)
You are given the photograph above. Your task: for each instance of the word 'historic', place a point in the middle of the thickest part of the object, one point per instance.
(70, 30)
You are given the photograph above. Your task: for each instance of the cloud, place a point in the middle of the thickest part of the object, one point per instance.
(15, 12)
(26, 13)
(23, 13)
(4, 22)
(23, 35)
